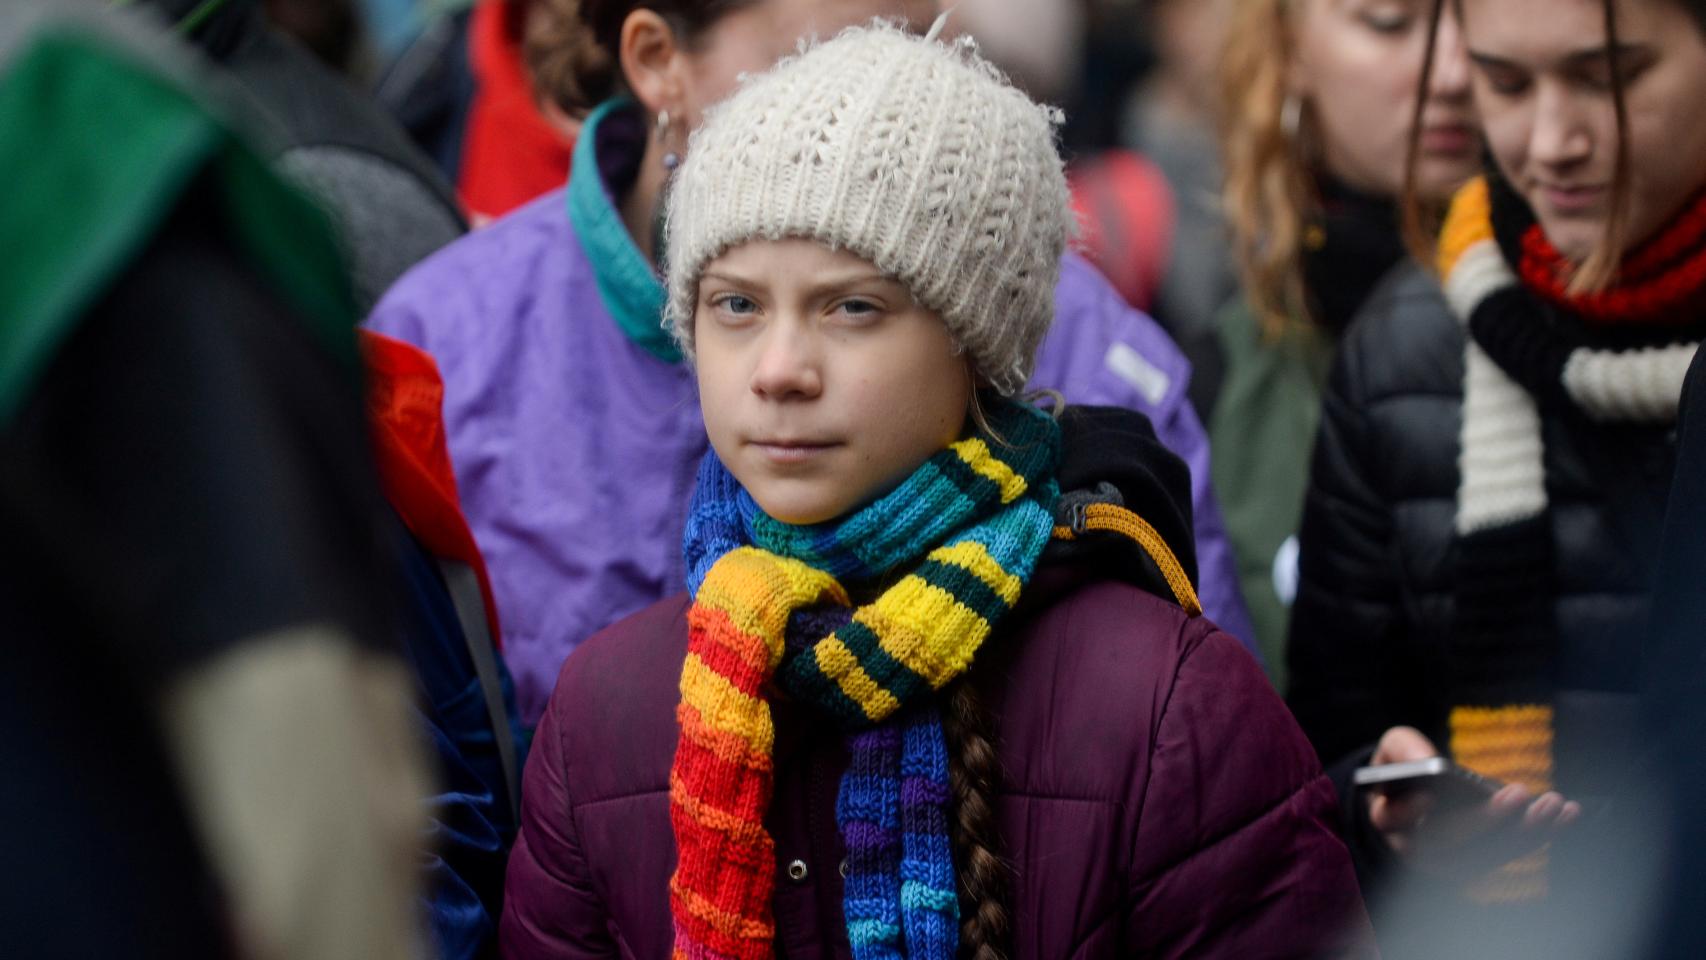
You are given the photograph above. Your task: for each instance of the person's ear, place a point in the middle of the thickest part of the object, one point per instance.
(653, 62)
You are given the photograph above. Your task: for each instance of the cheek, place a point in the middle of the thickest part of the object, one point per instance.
(1507, 130)
(721, 381)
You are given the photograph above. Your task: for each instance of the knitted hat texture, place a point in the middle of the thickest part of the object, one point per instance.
(916, 155)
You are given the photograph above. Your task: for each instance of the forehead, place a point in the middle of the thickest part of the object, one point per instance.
(1543, 29)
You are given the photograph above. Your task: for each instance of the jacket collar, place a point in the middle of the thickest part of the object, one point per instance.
(607, 154)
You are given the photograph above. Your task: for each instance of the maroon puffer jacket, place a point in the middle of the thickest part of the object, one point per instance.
(1157, 801)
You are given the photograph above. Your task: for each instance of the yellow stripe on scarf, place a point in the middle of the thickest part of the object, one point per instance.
(724, 708)
(758, 591)
(977, 456)
(1469, 222)
(933, 635)
(1512, 744)
(839, 664)
(973, 557)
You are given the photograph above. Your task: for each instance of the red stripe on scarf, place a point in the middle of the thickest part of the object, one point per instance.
(1661, 282)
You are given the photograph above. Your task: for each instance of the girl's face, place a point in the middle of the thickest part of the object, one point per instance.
(753, 37)
(1358, 65)
(1542, 80)
(824, 384)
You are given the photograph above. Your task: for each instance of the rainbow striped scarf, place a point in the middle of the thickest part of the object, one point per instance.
(966, 528)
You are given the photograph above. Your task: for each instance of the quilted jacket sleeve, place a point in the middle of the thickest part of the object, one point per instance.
(551, 911)
(1236, 849)
(1341, 651)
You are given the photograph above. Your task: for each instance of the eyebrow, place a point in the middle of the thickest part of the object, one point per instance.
(1579, 58)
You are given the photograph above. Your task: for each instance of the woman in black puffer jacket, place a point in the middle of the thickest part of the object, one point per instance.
(1490, 476)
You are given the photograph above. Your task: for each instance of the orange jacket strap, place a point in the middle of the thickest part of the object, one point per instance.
(1117, 519)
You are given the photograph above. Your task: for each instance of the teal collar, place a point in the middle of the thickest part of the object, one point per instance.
(627, 282)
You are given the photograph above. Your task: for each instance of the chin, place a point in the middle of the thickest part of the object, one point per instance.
(797, 510)
(1576, 240)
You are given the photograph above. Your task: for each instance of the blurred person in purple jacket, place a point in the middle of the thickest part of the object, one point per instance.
(575, 426)
(942, 686)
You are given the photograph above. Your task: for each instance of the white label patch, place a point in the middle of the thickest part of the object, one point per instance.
(1145, 377)
(1285, 571)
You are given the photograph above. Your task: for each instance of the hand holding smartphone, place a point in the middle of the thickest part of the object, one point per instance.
(1449, 784)
(1447, 819)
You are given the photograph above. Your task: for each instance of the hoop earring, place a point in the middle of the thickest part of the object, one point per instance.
(1291, 116)
(671, 159)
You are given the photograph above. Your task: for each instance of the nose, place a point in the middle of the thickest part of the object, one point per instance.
(1449, 78)
(789, 363)
(1561, 136)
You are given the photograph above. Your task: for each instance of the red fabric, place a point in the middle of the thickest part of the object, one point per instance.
(510, 154)
(1661, 282)
(405, 397)
(1125, 209)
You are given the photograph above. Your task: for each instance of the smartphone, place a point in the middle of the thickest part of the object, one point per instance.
(1449, 783)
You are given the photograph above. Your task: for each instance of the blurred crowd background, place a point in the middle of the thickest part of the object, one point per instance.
(1252, 222)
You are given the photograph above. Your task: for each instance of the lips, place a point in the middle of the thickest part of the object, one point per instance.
(1572, 198)
(1450, 138)
(791, 450)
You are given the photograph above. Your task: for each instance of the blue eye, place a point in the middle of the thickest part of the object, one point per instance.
(859, 308)
(735, 303)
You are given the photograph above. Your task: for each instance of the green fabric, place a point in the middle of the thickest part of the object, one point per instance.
(96, 151)
(1260, 439)
(627, 283)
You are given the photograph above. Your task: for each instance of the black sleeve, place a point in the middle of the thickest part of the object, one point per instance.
(193, 466)
(1347, 621)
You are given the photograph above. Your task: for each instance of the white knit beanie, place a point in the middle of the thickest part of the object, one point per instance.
(914, 154)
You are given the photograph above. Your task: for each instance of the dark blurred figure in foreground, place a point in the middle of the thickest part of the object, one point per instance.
(208, 749)
(330, 29)
(428, 85)
(1676, 678)
(389, 204)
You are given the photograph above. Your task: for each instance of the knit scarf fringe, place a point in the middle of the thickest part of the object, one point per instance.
(966, 529)
(1503, 649)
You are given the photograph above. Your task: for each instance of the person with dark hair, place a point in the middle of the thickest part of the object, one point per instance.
(390, 206)
(1486, 507)
(574, 423)
(940, 686)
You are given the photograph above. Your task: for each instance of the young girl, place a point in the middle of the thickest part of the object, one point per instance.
(920, 700)
(1314, 137)
(1493, 465)
(572, 419)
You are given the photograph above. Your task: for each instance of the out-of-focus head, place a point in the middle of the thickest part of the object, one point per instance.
(1188, 38)
(1036, 42)
(1314, 88)
(1357, 66)
(1592, 111)
(680, 56)
(855, 239)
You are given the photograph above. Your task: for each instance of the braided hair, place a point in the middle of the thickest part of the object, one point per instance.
(974, 772)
